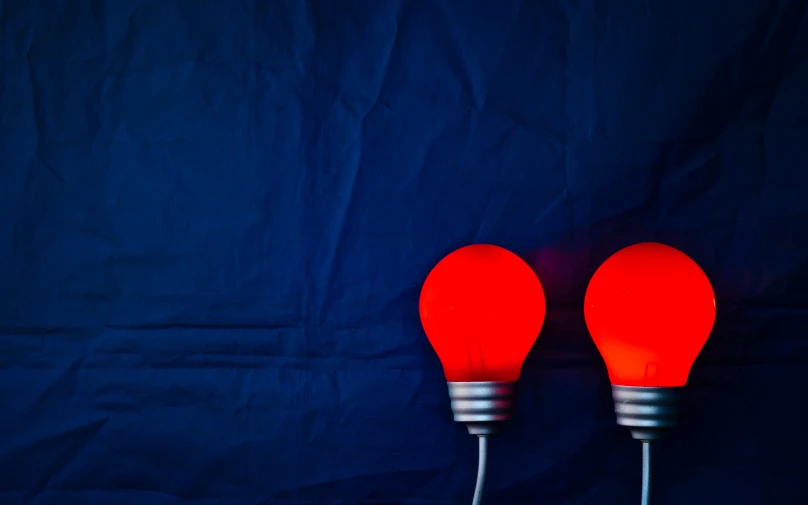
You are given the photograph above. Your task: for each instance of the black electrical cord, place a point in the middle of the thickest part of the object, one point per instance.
(646, 473)
(482, 468)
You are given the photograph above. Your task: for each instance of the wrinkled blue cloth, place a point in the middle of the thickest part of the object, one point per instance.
(217, 215)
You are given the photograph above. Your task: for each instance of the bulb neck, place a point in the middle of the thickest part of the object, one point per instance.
(648, 412)
(482, 406)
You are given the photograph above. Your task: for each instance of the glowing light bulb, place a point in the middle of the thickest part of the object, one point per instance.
(482, 308)
(649, 309)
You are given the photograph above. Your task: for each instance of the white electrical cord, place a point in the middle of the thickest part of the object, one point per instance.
(646, 473)
(482, 468)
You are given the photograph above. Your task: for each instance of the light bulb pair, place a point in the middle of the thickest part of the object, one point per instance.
(649, 309)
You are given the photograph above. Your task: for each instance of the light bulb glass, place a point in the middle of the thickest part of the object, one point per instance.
(482, 308)
(650, 310)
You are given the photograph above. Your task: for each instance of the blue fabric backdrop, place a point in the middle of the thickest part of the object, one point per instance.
(216, 217)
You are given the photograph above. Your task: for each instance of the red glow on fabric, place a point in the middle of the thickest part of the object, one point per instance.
(482, 308)
(649, 309)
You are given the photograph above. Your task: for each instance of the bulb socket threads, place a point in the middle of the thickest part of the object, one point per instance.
(647, 412)
(482, 406)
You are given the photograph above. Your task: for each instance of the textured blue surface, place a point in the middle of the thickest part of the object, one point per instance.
(215, 217)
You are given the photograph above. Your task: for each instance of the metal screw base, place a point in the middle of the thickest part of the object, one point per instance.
(482, 406)
(647, 412)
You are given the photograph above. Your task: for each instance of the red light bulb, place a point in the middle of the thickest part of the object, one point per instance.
(482, 308)
(649, 309)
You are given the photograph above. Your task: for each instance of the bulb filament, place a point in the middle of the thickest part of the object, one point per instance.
(651, 375)
(475, 353)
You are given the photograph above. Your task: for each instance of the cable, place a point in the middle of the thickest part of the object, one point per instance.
(646, 473)
(481, 471)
